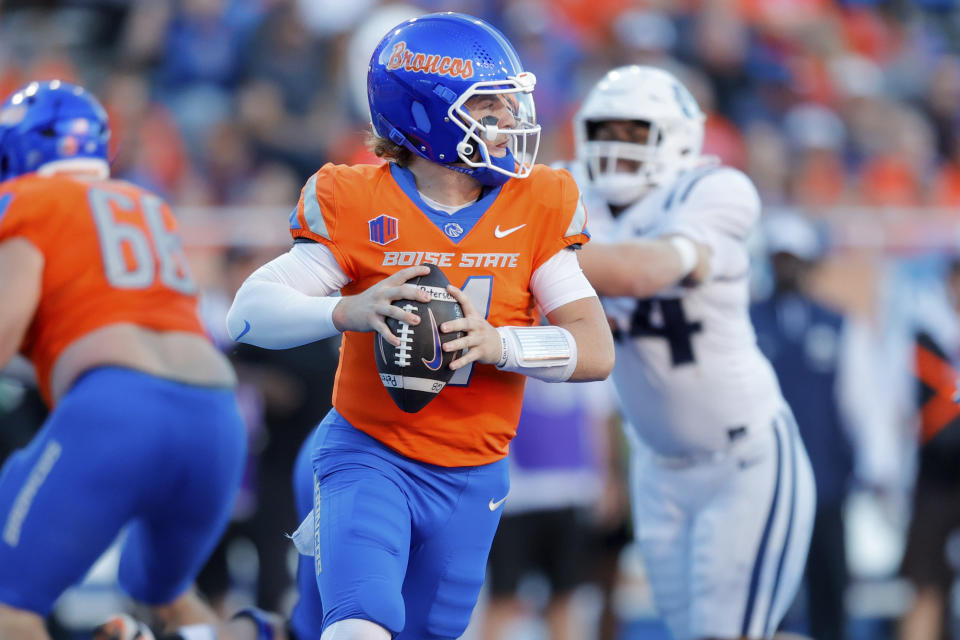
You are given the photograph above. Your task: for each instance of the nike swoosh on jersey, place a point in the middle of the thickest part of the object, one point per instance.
(246, 328)
(437, 360)
(496, 505)
(504, 233)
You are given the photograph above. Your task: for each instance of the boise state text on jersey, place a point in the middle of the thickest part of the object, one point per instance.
(506, 236)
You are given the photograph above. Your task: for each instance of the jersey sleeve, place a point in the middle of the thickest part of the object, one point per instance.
(575, 214)
(570, 225)
(559, 281)
(720, 210)
(315, 217)
(30, 215)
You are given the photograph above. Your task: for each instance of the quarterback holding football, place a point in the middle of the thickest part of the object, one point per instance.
(407, 496)
(722, 488)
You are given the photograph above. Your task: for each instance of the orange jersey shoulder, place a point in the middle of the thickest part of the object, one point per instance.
(374, 223)
(112, 254)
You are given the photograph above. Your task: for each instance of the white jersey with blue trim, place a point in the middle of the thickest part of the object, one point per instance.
(688, 372)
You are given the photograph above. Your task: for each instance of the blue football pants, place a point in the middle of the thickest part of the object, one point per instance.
(121, 449)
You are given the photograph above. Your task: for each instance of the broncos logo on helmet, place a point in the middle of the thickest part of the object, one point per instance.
(451, 89)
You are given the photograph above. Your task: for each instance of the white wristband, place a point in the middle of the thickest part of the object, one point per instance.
(687, 251)
(548, 353)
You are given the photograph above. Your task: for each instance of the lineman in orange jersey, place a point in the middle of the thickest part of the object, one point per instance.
(144, 430)
(405, 506)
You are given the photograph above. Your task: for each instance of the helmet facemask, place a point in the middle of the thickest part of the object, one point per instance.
(624, 168)
(623, 171)
(500, 112)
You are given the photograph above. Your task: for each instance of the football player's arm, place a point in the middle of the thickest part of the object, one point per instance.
(289, 301)
(577, 346)
(705, 238)
(585, 320)
(21, 276)
(640, 268)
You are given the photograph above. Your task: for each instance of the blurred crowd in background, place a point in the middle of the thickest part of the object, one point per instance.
(236, 101)
(846, 114)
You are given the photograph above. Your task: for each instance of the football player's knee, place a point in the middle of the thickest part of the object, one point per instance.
(383, 607)
(373, 600)
(355, 629)
(449, 617)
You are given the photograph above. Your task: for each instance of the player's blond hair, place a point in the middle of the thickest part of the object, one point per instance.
(388, 149)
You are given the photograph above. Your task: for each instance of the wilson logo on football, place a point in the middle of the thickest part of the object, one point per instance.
(383, 229)
(401, 57)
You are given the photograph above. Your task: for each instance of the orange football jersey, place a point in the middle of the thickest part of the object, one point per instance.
(373, 221)
(112, 254)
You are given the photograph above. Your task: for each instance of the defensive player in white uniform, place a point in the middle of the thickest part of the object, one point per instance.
(722, 489)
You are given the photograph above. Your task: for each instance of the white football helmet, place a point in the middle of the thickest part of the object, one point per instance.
(673, 144)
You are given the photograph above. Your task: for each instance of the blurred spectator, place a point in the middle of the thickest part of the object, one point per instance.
(229, 161)
(145, 143)
(930, 560)
(718, 41)
(196, 48)
(768, 162)
(559, 480)
(647, 36)
(942, 105)
(204, 42)
(721, 137)
(284, 51)
(326, 18)
(817, 137)
(812, 350)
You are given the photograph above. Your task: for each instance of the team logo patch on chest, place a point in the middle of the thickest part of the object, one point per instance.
(453, 229)
(384, 229)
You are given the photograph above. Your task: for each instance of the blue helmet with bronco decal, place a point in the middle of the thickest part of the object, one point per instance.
(422, 74)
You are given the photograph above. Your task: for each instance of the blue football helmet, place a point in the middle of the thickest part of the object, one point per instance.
(420, 78)
(47, 122)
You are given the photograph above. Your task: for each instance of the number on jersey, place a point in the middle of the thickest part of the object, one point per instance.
(479, 289)
(664, 317)
(120, 240)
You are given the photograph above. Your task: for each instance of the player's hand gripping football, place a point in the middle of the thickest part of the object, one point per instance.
(368, 311)
(481, 338)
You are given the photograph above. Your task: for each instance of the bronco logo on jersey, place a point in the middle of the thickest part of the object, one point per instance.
(453, 229)
(383, 229)
(428, 63)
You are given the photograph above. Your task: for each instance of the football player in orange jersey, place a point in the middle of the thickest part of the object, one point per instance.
(144, 432)
(406, 505)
